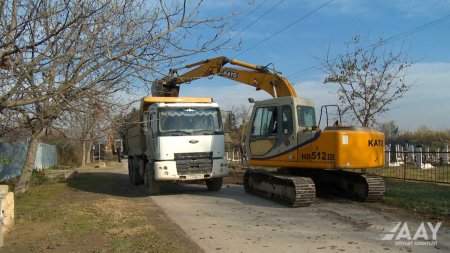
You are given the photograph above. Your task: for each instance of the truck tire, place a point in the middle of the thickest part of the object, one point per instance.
(138, 179)
(130, 170)
(133, 171)
(214, 184)
(151, 186)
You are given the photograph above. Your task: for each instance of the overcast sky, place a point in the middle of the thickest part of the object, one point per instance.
(296, 50)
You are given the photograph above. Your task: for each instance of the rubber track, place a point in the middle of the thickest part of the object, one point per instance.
(376, 187)
(305, 191)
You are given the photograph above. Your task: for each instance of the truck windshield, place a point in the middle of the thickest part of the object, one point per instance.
(190, 121)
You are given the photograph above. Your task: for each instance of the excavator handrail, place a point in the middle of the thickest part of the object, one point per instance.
(250, 74)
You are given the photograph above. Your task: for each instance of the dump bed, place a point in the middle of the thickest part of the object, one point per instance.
(135, 137)
(147, 101)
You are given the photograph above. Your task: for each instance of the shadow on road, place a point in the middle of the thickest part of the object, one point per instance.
(118, 184)
(110, 183)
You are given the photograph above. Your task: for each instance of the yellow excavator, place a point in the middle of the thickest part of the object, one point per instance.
(284, 134)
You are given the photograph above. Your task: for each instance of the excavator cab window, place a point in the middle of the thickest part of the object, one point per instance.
(265, 122)
(306, 116)
(286, 120)
(264, 131)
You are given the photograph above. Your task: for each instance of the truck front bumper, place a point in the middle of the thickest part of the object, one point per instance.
(167, 171)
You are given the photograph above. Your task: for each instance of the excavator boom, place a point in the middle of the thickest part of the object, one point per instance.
(257, 76)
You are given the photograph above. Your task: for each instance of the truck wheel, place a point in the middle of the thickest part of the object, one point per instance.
(130, 170)
(139, 163)
(151, 186)
(214, 184)
(134, 173)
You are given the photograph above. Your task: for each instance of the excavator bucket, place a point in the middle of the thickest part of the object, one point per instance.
(161, 89)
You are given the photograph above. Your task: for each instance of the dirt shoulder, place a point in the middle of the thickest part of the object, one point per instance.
(97, 211)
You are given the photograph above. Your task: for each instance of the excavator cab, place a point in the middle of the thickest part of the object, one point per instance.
(279, 126)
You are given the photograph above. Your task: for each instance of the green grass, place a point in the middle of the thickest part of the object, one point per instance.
(429, 199)
(40, 204)
(76, 215)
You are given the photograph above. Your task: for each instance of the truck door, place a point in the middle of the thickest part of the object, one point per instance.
(152, 133)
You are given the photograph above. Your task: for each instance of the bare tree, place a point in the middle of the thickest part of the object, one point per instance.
(93, 120)
(370, 79)
(54, 54)
(235, 119)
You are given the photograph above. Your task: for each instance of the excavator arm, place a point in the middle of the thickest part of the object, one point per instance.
(257, 76)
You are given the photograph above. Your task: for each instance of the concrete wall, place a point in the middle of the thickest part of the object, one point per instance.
(7, 209)
(13, 157)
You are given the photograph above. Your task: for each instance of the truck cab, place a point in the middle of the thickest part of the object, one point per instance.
(181, 139)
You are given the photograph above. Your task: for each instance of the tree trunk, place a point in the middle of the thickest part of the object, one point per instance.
(88, 152)
(83, 158)
(27, 170)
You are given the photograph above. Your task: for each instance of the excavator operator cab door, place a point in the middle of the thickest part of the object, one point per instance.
(273, 130)
(264, 130)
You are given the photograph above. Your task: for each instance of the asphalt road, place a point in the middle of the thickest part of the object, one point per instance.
(233, 221)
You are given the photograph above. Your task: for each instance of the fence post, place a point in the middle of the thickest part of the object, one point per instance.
(419, 158)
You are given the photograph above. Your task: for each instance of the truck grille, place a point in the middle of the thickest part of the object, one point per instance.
(193, 163)
(195, 155)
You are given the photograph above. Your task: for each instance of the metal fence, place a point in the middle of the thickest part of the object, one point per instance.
(13, 155)
(416, 165)
(46, 156)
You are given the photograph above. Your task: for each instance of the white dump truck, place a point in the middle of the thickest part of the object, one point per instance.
(173, 139)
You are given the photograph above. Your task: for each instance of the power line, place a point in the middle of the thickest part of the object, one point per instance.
(285, 27)
(377, 44)
(252, 23)
(258, 18)
(248, 14)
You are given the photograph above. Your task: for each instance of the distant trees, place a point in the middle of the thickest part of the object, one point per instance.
(423, 136)
(369, 79)
(235, 120)
(390, 130)
(64, 57)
